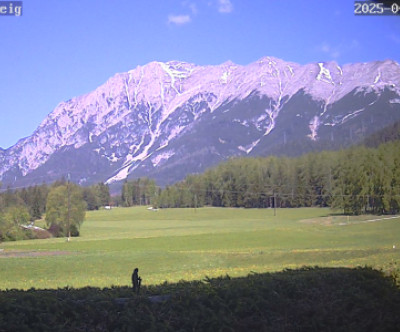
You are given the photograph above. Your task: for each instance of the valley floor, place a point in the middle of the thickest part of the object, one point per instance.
(189, 244)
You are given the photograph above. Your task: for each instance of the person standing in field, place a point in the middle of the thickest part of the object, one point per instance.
(136, 281)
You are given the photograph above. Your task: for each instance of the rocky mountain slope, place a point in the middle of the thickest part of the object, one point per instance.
(165, 120)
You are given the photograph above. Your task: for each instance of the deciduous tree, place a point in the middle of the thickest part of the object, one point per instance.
(65, 210)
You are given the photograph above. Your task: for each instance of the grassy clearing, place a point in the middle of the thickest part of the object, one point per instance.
(176, 244)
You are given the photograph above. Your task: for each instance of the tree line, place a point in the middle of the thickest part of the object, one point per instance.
(63, 204)
(355, 181)
(141, 191)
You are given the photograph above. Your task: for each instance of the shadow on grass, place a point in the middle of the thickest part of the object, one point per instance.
(307, 299)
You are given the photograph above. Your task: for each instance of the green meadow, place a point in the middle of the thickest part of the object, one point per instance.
(189, 244)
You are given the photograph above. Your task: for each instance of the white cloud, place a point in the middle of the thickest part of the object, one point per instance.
(354, 44)
(325, 48)
(394, 38)
(336, 51)
(193, 8)
(178, 19)
(333, 52)
(191, 5)
(225, 6)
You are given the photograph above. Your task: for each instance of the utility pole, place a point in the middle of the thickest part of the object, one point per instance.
(68, 209)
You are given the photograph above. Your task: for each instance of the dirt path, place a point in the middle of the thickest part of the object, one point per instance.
(344, 220)
(367, 221)
(30, 253)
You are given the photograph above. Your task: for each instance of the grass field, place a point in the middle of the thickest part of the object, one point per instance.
(176, 244)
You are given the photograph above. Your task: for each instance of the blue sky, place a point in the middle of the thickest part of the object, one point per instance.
(59, 49)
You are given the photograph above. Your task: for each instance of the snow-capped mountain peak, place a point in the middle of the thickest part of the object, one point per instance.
(140, 121)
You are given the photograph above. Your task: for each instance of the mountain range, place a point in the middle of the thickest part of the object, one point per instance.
(167, 120)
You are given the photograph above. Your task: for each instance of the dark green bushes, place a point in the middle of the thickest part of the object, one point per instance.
(309, 299)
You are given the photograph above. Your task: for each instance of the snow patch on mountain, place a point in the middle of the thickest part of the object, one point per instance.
(248, 148)
(122, 174)
(377, 78)
(314, 124)
(324, 74)
(351, 115)
(221, 140)
(162, 157)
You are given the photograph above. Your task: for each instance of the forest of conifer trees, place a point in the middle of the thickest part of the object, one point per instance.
(354, 181)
